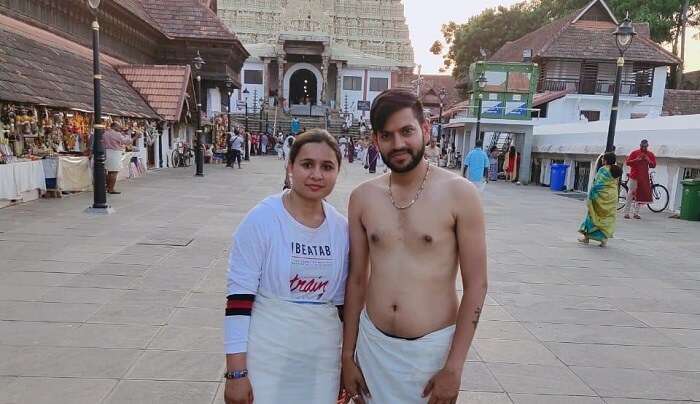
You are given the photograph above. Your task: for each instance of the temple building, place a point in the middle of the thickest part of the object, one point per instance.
(315, 55)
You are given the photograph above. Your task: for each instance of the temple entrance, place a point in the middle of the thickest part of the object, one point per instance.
(303, 87)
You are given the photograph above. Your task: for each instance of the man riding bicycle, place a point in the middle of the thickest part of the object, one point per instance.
(639, 161)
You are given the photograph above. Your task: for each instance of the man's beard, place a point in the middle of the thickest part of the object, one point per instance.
(416, 157)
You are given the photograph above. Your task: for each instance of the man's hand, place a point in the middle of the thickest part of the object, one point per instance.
(238, 391)
(354, 382)
(443, 388)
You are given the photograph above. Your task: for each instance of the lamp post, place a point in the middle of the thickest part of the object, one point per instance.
(198, 62)
(262, 105)
(442, 95)
(246, 152)
(99, 194)
(481, 83)
(229, 89)
(623, 38)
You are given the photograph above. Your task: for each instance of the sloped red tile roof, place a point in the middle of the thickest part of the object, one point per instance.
(584, 39)
(34, 72)
(163, 87)
(547, 96)
(681, 102)
(186, 19)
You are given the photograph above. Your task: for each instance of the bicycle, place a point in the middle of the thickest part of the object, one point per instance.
(182, 155)
(659, 194)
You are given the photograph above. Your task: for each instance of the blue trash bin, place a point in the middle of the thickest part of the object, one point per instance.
(557, 180)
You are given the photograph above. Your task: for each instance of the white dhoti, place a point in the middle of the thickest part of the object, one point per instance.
(114, 160)
(396, 370)
(294, 352)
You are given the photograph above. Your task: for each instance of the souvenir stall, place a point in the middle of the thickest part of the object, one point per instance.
(31, 139)
(42, 149)
(219, 138)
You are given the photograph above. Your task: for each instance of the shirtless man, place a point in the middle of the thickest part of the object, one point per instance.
(415, 227)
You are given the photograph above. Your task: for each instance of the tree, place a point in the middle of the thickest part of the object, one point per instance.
(487, 32)
(436, 48)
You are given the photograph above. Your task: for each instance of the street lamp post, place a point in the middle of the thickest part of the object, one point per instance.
(99, 194)
(262, 105)
(198, 62)
(229, 89)
(246, 151)
(623, 38)
(443, 94)
(481, 84)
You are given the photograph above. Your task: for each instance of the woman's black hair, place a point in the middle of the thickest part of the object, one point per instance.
(609, 158)
(315, 136)
(616, 171)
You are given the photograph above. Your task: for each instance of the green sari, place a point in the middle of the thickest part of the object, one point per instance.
(602, 202)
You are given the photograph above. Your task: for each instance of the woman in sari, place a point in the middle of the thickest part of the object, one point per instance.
(372, 156)
(599, 224)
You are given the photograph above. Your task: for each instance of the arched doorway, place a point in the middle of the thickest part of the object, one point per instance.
(303, 87)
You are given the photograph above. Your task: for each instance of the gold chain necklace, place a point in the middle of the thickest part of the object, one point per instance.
(420, 191)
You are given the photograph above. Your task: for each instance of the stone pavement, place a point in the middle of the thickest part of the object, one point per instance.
(128, 308)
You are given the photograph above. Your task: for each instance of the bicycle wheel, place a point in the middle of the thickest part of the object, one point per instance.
(659, 195)
(622, 196)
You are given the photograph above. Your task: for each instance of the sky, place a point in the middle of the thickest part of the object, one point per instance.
(425, 18)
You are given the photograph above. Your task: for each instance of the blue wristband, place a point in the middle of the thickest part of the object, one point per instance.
(236, 374)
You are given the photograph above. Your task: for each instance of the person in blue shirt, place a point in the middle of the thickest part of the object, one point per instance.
(476, 165)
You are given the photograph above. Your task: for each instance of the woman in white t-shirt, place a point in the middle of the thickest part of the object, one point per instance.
(286, 285)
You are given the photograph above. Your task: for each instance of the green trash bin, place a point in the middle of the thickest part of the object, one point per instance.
(690, 204)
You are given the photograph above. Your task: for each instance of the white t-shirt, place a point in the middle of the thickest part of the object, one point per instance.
(276, 256)
(237, 142)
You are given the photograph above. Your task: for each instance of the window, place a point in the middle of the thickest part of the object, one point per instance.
(253, 76)
(352, 83)
(591, 116)
(378, 83)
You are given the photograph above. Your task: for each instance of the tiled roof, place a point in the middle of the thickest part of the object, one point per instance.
(35, 73)
(186, 19)
(436, 82)
(547, 96)
(568, 38)
(137, 9)
(681, 102)
(163, 87)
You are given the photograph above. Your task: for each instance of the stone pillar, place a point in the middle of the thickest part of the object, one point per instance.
(324, 72)
(280, 77)
(339, 86)
(266, 79)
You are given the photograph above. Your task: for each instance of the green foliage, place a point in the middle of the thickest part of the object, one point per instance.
(485, 33)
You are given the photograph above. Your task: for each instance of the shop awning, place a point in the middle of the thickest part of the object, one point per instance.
(34, 73)
(163, 87)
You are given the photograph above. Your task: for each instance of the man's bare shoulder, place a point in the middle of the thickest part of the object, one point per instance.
(373, 185)
(459, 190)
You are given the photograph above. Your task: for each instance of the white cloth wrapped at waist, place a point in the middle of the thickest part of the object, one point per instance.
(114, 160)
(294, 352)
(396, 370)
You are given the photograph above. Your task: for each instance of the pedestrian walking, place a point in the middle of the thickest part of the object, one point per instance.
(599, 224)
(372, 157)
(115, 141)
(264, 139)
(287, 146)
(406, 333)
(286, 283)
(351, 151)
(236, 148)
(511, 164)
(432, 153)
(493, 164)
(476, 166)
(639, 185)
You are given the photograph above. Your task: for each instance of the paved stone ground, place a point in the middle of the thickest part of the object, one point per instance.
(90, 312)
